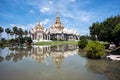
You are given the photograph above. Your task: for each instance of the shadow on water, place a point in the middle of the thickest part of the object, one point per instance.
(1, 58)
(110, 69)
(102, 66)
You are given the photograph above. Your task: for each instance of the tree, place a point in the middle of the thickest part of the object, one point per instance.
(94, 29)
(25, 33)
(20, 32)
(15, 31)
(116, 33)
(104, 31)
(20, 38)
(7, 30)
(11, 33)
(1, 30)
(83, 42)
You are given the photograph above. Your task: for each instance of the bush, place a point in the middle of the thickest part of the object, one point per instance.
(83, 42)
(54, 39)
(12, 41)
(3, 41)
(95, 50)
(29, 40)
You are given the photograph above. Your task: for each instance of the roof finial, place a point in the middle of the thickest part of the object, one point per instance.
(38, 20)
(57, 12)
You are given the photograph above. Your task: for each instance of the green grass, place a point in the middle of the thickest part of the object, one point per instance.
(57, 43)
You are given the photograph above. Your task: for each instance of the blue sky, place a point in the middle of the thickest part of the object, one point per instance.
(74, 14)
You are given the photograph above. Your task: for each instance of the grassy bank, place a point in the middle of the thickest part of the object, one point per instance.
(57, 43)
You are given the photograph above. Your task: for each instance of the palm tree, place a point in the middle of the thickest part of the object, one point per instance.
(25, 33)
(15, 31)
(1, 30)
(12, 33)
(20, 32)
(7, 30)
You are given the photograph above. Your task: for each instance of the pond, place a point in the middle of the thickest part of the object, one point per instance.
(64, 62)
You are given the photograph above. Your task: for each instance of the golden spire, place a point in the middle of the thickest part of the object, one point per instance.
(39, 26)
(57, 13)
(38, 20)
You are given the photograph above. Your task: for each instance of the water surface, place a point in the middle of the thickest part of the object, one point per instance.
(54, 63)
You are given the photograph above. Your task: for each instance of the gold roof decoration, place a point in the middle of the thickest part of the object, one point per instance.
(39, 27)
(57, 24)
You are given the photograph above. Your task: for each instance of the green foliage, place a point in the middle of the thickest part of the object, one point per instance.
(93, 37)
(57, 43)
(95, 49)
(15, 30)
(54, 39)
(25, 32)
(83, 37)
(60, 40)
(116, 32)
(29, 40)
(83, 42)
(108, 30)
(20, 32)
(7, 30)
(12, 41)
(19, 38)
(1, 30)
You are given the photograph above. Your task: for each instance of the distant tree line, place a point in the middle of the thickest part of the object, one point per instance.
(20, 35)
(108, 30)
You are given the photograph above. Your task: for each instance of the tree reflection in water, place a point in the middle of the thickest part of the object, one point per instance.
(110, 69)
(40, 53)
(1, 58)
(102, 66)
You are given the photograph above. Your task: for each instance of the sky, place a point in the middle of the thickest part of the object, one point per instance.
(74, 14)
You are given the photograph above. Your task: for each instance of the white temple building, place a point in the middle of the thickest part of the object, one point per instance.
(56, 32)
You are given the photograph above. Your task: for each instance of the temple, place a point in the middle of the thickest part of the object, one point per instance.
(56, 32)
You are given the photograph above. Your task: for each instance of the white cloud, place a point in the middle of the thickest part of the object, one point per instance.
(44, 9)
(67, 10)
(18, 25)
(45, 22)
(30, 26)
(31, 11)
(50, 2)
(85, 18)
(77, 15)
(73, 0)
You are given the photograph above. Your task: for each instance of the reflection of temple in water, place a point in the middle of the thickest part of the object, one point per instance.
(56, 53)
(41, 53)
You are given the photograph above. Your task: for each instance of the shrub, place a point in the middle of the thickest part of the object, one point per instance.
(29, 40)
(95, 50)
(60, 39)
(54, 39)
(12, 41)
(83, 42)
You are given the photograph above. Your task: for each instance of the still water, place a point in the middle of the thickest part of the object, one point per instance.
(54, 63)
